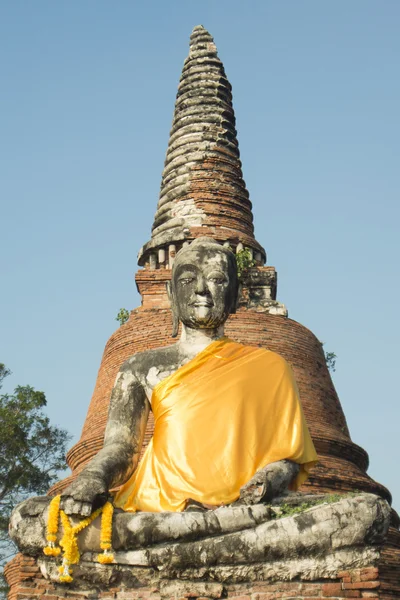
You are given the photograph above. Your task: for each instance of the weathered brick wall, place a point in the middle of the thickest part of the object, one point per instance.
(356, 583)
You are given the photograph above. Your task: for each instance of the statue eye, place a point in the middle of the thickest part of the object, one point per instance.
(217, 278)
(185, 279)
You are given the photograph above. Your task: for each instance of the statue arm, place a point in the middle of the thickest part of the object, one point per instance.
(116, 461)
(274, 479)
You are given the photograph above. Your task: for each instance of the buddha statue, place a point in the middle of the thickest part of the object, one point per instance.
(230, 440)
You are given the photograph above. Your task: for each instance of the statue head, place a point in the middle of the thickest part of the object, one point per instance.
(204, 285)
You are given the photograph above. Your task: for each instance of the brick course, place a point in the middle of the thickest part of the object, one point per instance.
(357, 583)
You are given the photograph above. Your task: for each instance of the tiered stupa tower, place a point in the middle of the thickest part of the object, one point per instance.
(202, 187)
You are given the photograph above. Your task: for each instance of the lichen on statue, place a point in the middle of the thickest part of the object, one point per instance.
(225, 413)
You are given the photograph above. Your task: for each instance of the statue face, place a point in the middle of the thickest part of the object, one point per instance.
(204, 288)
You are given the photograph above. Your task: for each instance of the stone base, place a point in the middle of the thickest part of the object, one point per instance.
(339, 549)
(355, 583)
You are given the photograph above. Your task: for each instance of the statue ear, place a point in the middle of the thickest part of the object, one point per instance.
(169, 291)
(175, 317)
(235, 305)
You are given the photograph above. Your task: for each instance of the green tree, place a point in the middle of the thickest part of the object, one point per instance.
(123, 316)
(330, 358)
(244, 261)
(32, 454)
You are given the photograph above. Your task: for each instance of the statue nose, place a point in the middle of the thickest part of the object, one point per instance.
(201, 287)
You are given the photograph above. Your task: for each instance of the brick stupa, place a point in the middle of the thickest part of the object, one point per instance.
(203, 193)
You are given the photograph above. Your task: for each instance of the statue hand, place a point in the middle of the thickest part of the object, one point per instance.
(253, 491)
(269, 482)
(84, 495)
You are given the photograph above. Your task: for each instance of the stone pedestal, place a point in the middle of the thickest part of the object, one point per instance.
(336, 548)
(366, 582)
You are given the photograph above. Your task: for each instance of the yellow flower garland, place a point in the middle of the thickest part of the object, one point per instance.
(106, 535)
(69, 541)
(52, 528)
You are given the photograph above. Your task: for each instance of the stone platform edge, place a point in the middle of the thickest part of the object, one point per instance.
(354, 583)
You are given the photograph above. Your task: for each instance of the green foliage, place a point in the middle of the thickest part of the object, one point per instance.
(288, 510)
(122, 316)
(32, 453)
(330, 358)
(244, 261)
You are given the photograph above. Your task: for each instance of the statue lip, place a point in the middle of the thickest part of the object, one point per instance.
(201, 303)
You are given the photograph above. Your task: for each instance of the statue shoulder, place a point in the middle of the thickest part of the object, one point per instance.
(139, 364)
(276, 360)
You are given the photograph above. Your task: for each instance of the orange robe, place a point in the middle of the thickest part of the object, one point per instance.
(221, 417)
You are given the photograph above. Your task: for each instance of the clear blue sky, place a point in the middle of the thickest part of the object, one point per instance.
(87, 95)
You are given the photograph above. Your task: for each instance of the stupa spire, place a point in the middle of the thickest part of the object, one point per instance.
(202, 188)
